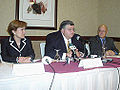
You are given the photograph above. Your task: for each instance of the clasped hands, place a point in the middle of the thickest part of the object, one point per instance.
(78, 54)
(24, 59)
(109, 53)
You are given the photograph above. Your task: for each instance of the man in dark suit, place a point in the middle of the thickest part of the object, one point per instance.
(59, 41)
(101, 45)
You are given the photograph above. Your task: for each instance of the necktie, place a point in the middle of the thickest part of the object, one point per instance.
(103, 47)
(103, 42)
(68, 48)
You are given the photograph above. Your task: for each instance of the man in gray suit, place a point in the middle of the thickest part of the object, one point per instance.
(100, 44)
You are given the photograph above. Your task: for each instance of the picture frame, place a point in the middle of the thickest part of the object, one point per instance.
(39, 14)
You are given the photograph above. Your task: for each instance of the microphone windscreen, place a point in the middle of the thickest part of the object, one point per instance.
(78, 37)
(72, 47)
(70, 44)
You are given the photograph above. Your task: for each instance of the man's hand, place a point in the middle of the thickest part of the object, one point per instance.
(69, 54)
(79, 54)
(109, 53)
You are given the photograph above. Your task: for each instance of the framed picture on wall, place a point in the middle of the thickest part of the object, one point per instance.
(39, 14)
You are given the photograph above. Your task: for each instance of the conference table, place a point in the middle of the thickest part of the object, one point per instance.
(67, 76)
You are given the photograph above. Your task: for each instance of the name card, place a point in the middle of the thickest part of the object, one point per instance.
(115, 56)
(90, 63)
(28, 69)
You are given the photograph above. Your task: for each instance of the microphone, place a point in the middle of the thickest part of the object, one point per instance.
(80, 39)
(85, 45)
(107, 60)
(46, 60)
(73, 48)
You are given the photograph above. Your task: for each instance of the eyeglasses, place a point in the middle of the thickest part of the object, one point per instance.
(70, 29)
(101, 31)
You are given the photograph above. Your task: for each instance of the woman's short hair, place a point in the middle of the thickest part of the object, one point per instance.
(13, 25)
(64, 23)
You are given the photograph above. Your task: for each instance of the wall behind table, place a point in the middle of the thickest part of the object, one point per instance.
(86, 14)
(109, 14)
(82, 12)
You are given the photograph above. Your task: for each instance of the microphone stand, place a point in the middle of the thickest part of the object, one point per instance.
(53, 75)
(74, 55)
(103, 50)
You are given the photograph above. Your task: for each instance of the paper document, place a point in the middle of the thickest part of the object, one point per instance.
(90, 63)
(28, 69)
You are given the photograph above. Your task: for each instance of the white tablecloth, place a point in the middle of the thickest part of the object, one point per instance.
(96, 79)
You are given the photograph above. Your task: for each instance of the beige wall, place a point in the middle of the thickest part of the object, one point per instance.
(82, 12)
(86, 14)
(109, 14)
(7, 10)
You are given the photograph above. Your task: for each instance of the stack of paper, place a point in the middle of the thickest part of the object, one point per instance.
(28, 69)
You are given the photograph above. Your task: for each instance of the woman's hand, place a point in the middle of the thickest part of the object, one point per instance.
(24, 59)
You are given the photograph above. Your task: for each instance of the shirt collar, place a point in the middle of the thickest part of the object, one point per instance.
(65, 39)
(102, 40)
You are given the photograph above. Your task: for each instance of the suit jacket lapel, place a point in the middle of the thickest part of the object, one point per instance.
(73, 41)
(14, 45)
(23, 44)
(62, 41)
(99, 41)
(106, 43)
(63, 45)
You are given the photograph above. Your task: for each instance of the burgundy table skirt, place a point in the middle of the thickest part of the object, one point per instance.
(61, 67)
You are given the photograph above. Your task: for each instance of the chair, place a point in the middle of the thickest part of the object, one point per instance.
(88, 48)
(42, 49)
(0, 55)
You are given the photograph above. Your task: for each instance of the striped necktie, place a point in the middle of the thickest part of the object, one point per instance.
(68, 48)
(103, 42)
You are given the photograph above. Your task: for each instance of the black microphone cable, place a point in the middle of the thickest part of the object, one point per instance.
(118, 75)
(53, 75)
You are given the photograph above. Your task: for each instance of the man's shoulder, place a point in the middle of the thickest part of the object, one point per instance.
(54, 36)
(53, 33)
(109, 39)
(76, 36)
(94, 38)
